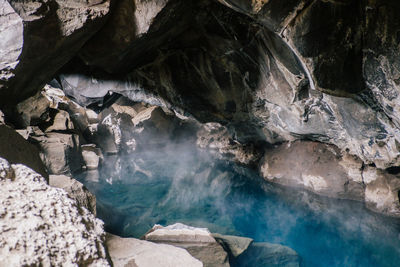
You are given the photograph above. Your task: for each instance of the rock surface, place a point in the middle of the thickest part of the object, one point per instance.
(92, 156)
(197, 241)
(315, 166)
(38, 38)
(76, 190)
(42, 226)
(234, 245)
(60, 152)
(126, 252)
(267, 76)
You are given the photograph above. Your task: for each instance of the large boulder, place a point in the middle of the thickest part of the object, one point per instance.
(126, 252)
(318, 167)
(42, 226)
(197, 241)
(38, 38)
(60, 152)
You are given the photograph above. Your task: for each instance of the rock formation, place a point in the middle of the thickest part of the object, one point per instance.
(38, 38)
(305, 90)
(135, 252)
(42, 226)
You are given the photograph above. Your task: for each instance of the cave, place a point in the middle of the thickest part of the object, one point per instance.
(199, 133)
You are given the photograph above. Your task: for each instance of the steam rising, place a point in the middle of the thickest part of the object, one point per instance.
(180, 183)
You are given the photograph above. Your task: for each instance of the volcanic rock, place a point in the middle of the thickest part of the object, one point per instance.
(42, 226)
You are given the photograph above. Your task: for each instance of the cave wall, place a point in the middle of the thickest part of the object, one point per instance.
(272, 71)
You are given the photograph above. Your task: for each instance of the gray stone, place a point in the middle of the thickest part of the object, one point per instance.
(42, 226)
(76, 190)
(315, 166)
(382, 192)
(92, 156)
(126, 252)
(234, 245)
(197, 241)
(60, 152)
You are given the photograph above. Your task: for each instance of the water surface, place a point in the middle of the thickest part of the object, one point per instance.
(182, 184)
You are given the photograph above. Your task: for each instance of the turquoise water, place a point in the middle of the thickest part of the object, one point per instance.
(182, 184)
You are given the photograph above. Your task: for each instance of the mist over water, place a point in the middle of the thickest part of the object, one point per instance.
(180, 183)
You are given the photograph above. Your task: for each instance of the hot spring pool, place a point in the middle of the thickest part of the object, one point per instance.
(182, 184)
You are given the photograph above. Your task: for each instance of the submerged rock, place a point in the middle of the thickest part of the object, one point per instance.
(134, 252)
(197, 241)
(42, 226)
(267, 254)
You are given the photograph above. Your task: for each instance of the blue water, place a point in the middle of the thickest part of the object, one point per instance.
(182, 184)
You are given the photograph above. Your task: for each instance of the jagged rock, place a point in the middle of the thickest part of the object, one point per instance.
(197, 241)
(42, 226)
(381, 68)
(234, 245)
(135, 252)
(59, 121)
(258, 84)
(60, 152)
(266, 254)
(16, 149)
(129, 21)
(40, 37)
(76, 190)
(33, 110)
(126, 126)
(382, 192)
(315, 166)
(91, 156)
(314, 39)
(216, 137)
